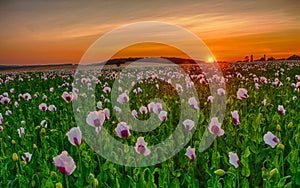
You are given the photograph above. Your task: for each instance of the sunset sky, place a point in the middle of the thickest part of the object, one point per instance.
(42, 32)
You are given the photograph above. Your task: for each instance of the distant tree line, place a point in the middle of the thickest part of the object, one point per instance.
(247, 59)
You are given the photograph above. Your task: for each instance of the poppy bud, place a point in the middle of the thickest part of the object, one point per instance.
(96, 183)
(53, 173)
(273, 172)
(43, 131)
(13, 142)
(290, 125)
(91, 176)
(15, 157)
(34, 146)
(220, 172)
(278, 128)
(58, 185)
(280, 146)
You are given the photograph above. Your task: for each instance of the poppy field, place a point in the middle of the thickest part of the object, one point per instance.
(45, 123)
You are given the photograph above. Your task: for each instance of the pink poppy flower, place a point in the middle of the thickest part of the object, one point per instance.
(117, 109)
(107, 113)
(242, 94)
(257, 86)
(234, 159)
(235, 117)
(26, 96)
(43, 123)
(68, 97)
(190, 153)
(214, 127)
(263, 80)
(281, 109)
(5, 100)
(210, 99)
(106, 89)
(188, 124)
(162, 115)
(221, 92)
(143, 110)
(44, 97)
(43, 107)
(1, 128)
(123, 98)
(135, 114)
(8, 113)
(21, 131)
(75, 136)
(27, 157)
(12, 90)
(16, 104)
(1, 119)
(52, 108)
(139, 90)
(64, 163)
(158, 108)
(96, 119)
(141, 147)
(193, 103)
(122, 130)
(99, 104)
(51, 89)
(271, 139)
(264, 102)
(179, 88)
(151, 106)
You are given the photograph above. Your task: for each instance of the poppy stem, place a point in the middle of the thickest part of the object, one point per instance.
(67, 181)
(18, 173)
(78, 151)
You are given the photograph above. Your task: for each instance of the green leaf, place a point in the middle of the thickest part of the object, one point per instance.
(282, 181)
(247, 152)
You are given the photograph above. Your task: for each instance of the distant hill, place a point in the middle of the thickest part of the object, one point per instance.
(118, 62)
(121, 61)
(294, 57)
(10, 67)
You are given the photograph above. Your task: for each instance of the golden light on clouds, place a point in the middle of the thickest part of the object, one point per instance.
(36, 32)
(149, 49)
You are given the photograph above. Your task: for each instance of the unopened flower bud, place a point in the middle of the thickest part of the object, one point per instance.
(220, 172)
(278, 128)
(43, 131)
(273, 172)
(15, 157)
(58, 185)
(280, 146)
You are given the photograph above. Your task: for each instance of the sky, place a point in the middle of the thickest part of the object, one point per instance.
(56, 32)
